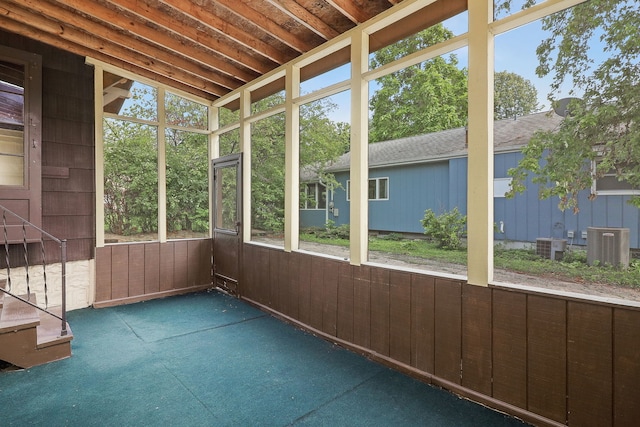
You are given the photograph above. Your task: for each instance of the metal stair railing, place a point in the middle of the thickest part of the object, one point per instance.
(14, 245)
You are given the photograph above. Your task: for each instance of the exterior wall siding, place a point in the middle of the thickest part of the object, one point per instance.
(443, 185)
(68, 190)
(549, 359)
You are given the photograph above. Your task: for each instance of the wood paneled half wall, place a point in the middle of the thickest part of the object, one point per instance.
(131, 272)
(548, 359)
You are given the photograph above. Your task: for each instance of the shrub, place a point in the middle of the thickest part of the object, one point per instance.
(446, 229)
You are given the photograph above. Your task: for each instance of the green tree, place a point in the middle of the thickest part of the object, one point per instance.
(427, 97)
(602, 127)
(131, 171)
(321, 140)
(131, 177)
(432, 96)
(514, 96)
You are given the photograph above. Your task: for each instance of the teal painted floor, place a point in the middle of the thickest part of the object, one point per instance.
(207, 359)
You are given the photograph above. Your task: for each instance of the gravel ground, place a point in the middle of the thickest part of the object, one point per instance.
(545, 283)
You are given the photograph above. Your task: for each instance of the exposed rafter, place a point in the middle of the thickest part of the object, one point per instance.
(203, 47)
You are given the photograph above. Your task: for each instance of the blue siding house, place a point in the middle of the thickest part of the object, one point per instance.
(410, 175)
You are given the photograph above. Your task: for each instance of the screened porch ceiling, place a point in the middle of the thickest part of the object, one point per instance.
(208, 48)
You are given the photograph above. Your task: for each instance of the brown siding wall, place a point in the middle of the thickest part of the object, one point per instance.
(133, 272)
(68, 190)
(549, 359)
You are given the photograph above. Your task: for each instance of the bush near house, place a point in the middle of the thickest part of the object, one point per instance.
(445, 229)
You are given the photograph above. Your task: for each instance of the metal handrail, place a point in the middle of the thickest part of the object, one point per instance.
(63, 260)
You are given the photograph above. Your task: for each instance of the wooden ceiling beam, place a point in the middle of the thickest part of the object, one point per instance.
(81, 50)
(306, 18)
(349, 9)
(60, 30)
(243, 9)
(225, 74)
(228, 30)
(80, 22)
(149, 14)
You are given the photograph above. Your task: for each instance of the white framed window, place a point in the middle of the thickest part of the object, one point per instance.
(501, 186)
(610, 185)
(315, 196)
(378, 189)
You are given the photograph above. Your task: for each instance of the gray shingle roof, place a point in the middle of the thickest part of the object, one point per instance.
(509, 135)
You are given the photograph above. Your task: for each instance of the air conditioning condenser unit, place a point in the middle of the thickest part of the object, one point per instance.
(551, 248)
(607, 245)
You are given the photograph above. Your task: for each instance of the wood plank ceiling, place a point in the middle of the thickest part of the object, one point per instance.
(204, 47)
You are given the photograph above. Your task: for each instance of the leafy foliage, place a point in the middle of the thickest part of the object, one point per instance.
(423, 98)
(131, 168)
(131, 178)
(514, 96)
(321, 141)
(432, 96)
(605, 125)
(187, 181)
(446, 229)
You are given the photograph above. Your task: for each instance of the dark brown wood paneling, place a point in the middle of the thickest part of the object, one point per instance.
(274, 279)
(253, 270)
(262, 267)
(205, 263)
(304, 286)
(626, 367)
(68, 143)
(330, 297)
(136, 269)
(317, 292)
(289, 304)
(282, 285)
(69, 227)
(362, 306)
(66, 203)
(103, 274)
(510, 347)
(226, 255)
(547, 357)
(590, 364)
(79, 180)
(151, 267)
(400, 316)
(422, 322)
(193, 262)
(380, 310)
(119, 271)
(448, 327)
(293, 286)
(249, 279)
(476, 338)
(167, 266)
(345, 302)
(506, 348)
(180, 260)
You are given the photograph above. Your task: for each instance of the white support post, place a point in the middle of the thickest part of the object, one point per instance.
(162, 166)
(480, 166)
(98, 76)
(359, 172)
(214, 152)
(292, 159)
(245, 148)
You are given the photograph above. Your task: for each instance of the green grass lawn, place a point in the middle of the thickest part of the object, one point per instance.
(573, 267)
